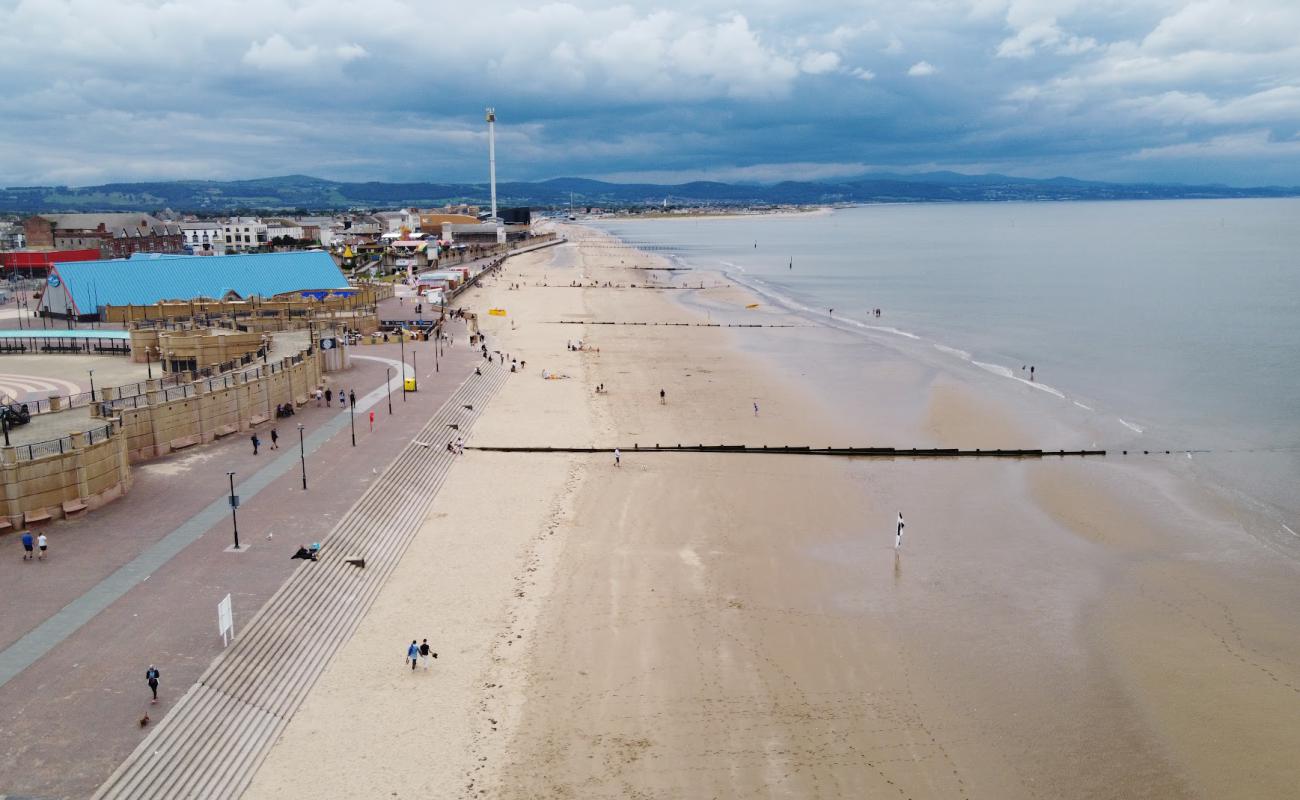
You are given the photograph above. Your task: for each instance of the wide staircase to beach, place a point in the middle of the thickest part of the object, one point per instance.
(211, 744)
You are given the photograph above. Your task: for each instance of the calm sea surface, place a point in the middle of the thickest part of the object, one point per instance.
(1175, 320)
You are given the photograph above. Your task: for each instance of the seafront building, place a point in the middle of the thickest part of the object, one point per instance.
(114, 235)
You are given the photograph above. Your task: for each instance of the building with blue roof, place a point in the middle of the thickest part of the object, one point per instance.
(83, 289)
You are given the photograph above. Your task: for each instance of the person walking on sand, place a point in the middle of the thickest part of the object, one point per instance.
(275, 439)
(413, 654)
(151, 676)
(1031, 372)
(618, 457)
(426, 652)
(663, 398)
(41, 544)
(256, 443)
(898, 535)
(27, 545)
(352, 397)
(756, 408)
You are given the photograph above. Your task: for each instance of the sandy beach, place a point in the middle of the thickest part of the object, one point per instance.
(706, 625)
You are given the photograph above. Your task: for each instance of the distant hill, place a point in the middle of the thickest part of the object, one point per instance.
(301, 192)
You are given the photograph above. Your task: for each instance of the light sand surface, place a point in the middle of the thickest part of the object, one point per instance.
(702, 625)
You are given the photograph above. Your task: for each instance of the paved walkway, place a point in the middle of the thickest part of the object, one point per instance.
(138, 580)
(24, 652)
(211, 745)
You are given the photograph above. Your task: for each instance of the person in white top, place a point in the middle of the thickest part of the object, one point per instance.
(41, 543)
(617, 457)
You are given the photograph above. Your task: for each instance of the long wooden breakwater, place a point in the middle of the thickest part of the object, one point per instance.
(858, 452)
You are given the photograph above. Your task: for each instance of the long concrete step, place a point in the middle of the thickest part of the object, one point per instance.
(212, 742)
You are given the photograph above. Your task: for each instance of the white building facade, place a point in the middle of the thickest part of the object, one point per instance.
(244, 233)
(204, 238)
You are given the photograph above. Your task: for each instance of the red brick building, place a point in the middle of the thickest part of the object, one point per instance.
(114, 235)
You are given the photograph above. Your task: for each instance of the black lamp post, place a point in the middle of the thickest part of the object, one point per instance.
(403, 340)
(352, 420)
(234, 504)
(302, 456)
(148, 361)
(388, 382)
(92, 385)
(415, 372)
(4, 423)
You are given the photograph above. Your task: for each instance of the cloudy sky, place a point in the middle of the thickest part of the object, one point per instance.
(760, 90)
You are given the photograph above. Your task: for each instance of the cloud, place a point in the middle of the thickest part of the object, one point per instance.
(1253, 144)
(1116, 89)
(819, 63)
(277, 53)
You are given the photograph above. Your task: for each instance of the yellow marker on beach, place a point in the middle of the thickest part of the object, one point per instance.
(496, 312)
(752, 305)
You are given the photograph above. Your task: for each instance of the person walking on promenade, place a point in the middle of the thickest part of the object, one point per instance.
(27, 545)
(426, 652)
(319, 395)
(151, 675)
(413, 654)
(275, 439)
(329, 397)
(343, 399)
(617, 457)
(352, 397)
(41, 544)
(663, 398)
(256, 442)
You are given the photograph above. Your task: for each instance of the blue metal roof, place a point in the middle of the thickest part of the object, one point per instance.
(145, 281)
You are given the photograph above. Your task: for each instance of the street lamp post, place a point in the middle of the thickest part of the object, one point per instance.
(148, 361)
(352, 420)
(302, 456)
(415, 372)
(4, 423)
(92, 385)
(403, 339)
(388, 382)
(234, 504)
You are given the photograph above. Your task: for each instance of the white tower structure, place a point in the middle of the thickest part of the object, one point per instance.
(492, 157)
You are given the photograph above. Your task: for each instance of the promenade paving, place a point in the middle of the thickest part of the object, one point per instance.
(137, 582)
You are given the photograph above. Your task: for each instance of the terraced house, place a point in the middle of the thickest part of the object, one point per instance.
(114, 235)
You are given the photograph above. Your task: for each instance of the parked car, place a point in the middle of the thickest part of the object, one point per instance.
(15, 414)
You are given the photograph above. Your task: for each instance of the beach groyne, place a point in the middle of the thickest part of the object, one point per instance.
(804, 450)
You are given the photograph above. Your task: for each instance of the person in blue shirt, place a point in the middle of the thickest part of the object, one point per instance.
(27, 545)
(413, 654)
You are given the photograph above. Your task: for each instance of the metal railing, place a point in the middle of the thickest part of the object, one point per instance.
(61, 445)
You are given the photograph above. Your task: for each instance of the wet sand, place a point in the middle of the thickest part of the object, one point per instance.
(739, 625)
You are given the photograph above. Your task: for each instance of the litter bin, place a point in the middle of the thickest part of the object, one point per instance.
(410, 384)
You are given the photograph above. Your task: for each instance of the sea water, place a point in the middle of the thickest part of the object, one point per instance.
(1176, 322)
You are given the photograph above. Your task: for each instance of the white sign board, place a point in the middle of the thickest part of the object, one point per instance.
(225, 620)
(404, 262)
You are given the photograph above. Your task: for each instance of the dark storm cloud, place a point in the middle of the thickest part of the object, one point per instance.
(768, 90)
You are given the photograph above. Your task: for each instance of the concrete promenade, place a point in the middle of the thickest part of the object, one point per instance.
(138, 581)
